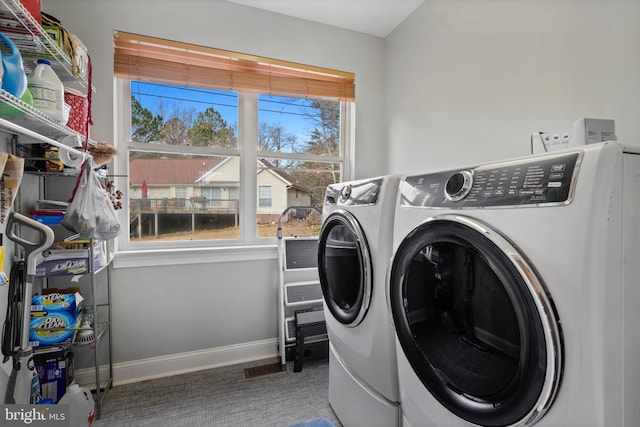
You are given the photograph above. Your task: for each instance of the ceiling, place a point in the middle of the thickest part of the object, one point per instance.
(375, 17)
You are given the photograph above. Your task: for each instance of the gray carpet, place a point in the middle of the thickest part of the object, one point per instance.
(222, 397)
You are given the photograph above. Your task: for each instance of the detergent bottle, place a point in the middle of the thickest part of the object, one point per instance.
(14, 78)
(81, 405)
(47, 90)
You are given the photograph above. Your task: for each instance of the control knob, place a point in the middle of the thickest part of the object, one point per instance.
(458, 185)
(345, 193)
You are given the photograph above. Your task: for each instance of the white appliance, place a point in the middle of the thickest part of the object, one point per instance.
(515, 292)
(354, 251)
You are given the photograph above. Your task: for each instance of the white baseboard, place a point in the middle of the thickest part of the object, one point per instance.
(174, 364)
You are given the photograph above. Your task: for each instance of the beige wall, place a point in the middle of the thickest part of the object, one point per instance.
(469, 80)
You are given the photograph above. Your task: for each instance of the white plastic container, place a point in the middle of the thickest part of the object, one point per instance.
(47, 91)
(81, 405)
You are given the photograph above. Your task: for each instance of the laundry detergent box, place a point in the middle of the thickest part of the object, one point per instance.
(54, 318)
(54, 327)
(64, 260)
(56, 301)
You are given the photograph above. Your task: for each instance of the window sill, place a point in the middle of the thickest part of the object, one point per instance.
(167, 257)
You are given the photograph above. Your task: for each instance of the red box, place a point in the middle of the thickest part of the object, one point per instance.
(34, 8)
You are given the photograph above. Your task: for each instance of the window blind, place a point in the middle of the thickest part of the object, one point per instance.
(138, 57)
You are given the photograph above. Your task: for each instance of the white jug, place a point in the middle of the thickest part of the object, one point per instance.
(81, 405)
(47, 90)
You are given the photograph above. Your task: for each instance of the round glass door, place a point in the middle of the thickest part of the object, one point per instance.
(475, 323)
(344, 266)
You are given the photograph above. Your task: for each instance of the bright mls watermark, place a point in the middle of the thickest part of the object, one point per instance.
(35, 415)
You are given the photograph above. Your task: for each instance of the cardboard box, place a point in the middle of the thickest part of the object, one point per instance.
(52, 327)
(66, 290)
(54, 366)
(57, 301)
(9, 184)
(51, 154)
(55, 33)
(34, 8)
(54, 317)
(64, 262)
(592, 131)
(53, 166)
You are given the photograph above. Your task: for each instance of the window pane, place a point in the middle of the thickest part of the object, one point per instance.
(183, 197)
(179, 115)
(299, 125)
(293, 183)
(264, 196)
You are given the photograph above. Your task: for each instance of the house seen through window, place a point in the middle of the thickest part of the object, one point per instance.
(190, 149)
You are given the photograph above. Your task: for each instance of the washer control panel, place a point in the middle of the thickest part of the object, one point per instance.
(539, 180)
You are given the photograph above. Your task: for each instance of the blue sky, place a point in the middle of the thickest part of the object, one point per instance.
(273, 110)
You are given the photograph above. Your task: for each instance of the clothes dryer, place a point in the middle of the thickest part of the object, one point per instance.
(514, 292)
(353, 259)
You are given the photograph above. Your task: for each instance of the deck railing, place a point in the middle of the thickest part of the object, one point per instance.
(198, 205)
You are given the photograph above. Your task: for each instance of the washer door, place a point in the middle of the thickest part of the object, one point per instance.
(475, 322)
(344, 266)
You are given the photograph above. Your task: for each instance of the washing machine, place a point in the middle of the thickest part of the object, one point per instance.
(515, 292)
(354, 254)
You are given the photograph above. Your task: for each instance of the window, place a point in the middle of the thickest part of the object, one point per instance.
(220, 144)
(264, 194)
(181, 191)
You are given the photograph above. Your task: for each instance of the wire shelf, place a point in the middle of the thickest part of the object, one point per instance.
(31, 118)
(41, 44)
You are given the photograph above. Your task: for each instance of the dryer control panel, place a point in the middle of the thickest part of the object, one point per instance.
(540, 180)
(354, 193)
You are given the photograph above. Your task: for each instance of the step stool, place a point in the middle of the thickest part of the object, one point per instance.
(312, 341)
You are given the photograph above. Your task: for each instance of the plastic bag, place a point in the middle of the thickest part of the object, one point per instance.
(90, 212)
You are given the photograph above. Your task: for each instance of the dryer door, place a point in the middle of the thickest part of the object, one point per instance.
(344, 266)
(475, 322)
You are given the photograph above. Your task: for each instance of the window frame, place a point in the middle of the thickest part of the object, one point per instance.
(248, 153)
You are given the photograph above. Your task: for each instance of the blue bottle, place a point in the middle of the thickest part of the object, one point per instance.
(14, 78)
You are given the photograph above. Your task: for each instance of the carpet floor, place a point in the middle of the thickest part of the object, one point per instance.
(228, 396)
